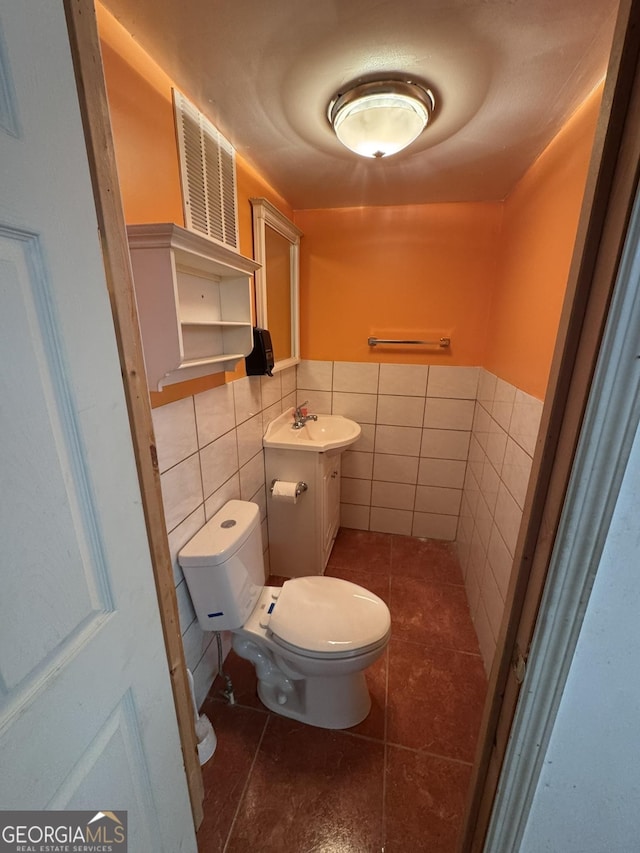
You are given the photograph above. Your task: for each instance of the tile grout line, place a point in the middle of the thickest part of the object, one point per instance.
(246, 785)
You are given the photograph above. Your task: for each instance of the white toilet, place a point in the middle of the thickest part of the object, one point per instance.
(309, 640)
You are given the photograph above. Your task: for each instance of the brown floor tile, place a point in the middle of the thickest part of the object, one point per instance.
(431, 613)
(362, 550)
(427, 559)
(425, 802)
(245, 683)
(311, 790)
(436, 697)
(225, 774)
(276, 580)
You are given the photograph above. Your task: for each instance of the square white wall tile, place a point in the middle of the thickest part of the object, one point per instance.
(441, 413)
(496, 445)
(315, 375)
(504, 392)
(355, 376)
(180, 535)
(489, 486)
(356, 517)
(319, 402)
(408, 380)
(438, 500)
(516, 471)
(492, 600)
(501, 412)
(441, 472)
(249, 436)
(289, 401)
(391, 521)
(484, 522)
(500, 561)
(174, 426)
(247, 397)
(181, 491)
(357, 465)
(358, 407)
(366, 442)
(395, 469)
(458, 382)
(486, 640)
(393, 495)
(432, 526)
(271, 389)
(400, 411)
(186, 613)
(228, 491)
(445, 444)
(508, 517)
(405, 441)
(219, 461)
(353, 491)
(288, 381)
(486, 387)
(270, 414)
(252, 476)
(215, 413)
(525, 421)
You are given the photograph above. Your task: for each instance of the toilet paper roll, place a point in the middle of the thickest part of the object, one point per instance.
(285, 491)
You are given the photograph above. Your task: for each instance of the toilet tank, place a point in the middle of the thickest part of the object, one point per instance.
(223, 567)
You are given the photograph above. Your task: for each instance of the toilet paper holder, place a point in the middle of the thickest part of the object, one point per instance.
(301, 487)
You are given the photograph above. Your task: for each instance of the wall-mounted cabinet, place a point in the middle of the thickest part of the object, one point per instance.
(194, 302)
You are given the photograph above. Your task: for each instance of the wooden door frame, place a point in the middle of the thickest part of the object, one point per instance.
(608, 200)
(94, 109)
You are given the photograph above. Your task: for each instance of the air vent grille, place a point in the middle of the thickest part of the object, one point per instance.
(208, 169)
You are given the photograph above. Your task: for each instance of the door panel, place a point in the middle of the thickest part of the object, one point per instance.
(86, 710)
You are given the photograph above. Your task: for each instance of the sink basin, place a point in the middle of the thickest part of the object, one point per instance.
(329, 432)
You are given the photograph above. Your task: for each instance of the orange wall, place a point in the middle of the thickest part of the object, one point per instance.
(538, 233)
(141, 110)
(411, 271)
(492, 276)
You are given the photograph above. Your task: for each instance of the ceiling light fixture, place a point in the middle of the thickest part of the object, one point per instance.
(380, 118)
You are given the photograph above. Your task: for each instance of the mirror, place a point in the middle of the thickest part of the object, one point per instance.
(276, 248)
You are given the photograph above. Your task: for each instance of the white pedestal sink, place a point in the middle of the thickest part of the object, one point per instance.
(301, 534)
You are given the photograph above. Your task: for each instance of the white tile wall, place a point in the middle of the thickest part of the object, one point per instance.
(210, 451)
(406, 472)
(445, 453)
(505, 428)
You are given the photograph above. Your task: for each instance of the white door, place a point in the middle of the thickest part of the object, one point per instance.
(87, 720)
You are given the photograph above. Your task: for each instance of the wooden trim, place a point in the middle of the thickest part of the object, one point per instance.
(608, 200)
(85, 50)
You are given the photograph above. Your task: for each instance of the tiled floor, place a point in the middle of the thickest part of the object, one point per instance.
(395, 783)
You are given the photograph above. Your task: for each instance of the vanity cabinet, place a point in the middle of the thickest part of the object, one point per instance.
(194, 302)
(301, 535)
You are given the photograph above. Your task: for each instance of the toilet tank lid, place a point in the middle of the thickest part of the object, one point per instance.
(221, 536)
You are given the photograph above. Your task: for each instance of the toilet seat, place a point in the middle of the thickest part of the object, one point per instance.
(324, 617)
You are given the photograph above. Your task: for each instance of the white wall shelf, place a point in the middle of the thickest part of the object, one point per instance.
(194, 302)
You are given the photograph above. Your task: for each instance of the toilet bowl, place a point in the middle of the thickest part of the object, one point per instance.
(310, 640)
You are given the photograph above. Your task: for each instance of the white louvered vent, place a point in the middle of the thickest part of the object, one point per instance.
(208, 169)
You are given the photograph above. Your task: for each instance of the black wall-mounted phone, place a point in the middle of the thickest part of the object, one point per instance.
(260, 360)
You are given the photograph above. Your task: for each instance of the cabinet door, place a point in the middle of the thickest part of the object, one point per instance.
(330, 503)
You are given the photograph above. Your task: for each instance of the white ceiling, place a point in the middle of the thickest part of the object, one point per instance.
(506, 73)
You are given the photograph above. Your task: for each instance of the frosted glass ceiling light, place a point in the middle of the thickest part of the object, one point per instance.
(379, 119)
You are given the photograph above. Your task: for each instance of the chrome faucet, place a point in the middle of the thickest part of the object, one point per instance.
(300, 416)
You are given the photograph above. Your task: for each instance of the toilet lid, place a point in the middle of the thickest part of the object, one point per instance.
(329, 615)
